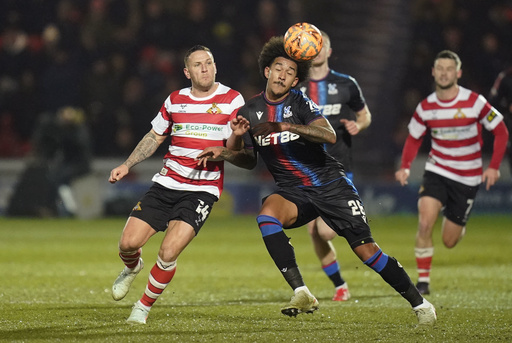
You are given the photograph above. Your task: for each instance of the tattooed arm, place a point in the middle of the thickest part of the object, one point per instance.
(318, 131)
(146, 147)
(244, 158)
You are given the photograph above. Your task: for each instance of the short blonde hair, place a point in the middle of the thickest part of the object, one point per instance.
(450, 55)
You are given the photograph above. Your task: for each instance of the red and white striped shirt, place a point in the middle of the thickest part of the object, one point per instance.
(455, 127)
(194, 124)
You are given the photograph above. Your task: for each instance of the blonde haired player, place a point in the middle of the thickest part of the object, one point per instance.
(183, 193)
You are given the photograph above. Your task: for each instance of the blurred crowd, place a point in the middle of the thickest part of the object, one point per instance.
(117, 60)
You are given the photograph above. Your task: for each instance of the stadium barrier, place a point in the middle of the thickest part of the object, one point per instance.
(243, 190)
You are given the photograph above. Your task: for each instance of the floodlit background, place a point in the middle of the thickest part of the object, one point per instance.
(81, 80)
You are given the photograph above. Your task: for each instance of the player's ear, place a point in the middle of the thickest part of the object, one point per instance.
(295, 82)
(267, 72)
(186, 72)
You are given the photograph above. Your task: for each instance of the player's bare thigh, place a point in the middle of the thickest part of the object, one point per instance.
(428, 210)
(278, 207)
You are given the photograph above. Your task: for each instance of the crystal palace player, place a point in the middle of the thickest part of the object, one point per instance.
(288, 131)
(183, 192)
(341, 101)
(454, 116)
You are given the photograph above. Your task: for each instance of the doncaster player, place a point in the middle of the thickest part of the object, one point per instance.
(183, 192)
(454, 117)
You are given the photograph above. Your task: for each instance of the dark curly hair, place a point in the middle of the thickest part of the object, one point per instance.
(273, 49)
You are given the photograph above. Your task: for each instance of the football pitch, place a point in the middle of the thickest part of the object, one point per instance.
(56, 276)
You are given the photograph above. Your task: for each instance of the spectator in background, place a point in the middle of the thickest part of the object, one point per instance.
(61, 154)
(101, 92)
(19, 97)
(62, 70)
(11, 144)
(83, 32)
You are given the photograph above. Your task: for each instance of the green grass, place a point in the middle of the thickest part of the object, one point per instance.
(56, 276)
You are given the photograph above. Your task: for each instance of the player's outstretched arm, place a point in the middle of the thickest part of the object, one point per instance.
(244, 158)
(318, 131)
(411, 147)
(146, 147)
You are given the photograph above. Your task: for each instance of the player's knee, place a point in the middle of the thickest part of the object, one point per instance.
(452, 240)
(128, 245)
(327, 235)
(450, 243)
(167, 255)
(424, 229)
(323, 231)
(424, 225)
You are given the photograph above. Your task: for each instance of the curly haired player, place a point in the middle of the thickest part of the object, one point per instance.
(288, 131)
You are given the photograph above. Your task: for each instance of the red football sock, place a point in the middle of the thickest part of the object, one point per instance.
(424, 263)
(130, 258)
(160, 276)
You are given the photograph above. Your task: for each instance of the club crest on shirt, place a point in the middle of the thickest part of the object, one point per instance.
(332, 89)
(214, 109)
(459, 114)
(287, 112)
